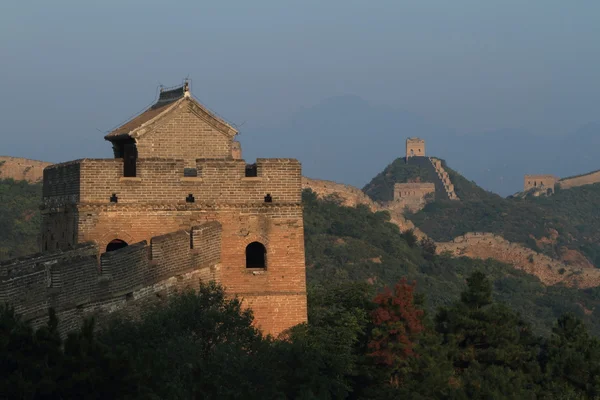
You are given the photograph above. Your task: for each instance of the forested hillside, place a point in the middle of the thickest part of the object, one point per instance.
(19, 217)
(346, 244)
(552, 225)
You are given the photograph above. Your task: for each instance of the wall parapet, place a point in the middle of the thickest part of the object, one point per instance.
(76, 279)
(164, 180)
(581, 180)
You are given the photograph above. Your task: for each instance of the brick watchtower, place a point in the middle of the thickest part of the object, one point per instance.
(176, 165)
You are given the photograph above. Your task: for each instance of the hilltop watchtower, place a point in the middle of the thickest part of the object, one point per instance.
(415, 147)
(176, 166)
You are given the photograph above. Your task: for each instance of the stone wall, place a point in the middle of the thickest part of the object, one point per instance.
(588, 179)
(22, 169)
(445, 178)
(413, 196)
(540, 182)
(76, 284)
(487, 245)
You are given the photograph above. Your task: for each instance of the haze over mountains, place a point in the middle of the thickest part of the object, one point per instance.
(349, 140)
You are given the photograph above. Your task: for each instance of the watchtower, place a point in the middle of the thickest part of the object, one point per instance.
(177, 165)
(415, 147)
(540, 183)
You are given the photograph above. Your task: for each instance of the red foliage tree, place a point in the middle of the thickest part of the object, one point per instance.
(397, 325)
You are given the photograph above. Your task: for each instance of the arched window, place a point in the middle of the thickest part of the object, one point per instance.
(116, 244)
(256, 255)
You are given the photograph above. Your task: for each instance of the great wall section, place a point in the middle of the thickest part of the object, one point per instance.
(77, 284)
(546, 184)
(581, 180)
(178, 182)
(18, 169)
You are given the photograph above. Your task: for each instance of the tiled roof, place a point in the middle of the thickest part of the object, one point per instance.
(166, 98)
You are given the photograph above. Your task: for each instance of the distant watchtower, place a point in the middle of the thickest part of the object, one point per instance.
(415, 147)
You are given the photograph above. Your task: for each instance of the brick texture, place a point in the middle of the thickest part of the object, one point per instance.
(76, 283)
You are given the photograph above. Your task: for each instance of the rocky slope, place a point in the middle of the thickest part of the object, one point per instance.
(22, 169)
(548, 270)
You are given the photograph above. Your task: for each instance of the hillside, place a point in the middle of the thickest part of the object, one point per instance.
(563, 226)
(347, 244)
(19, 218)
(22, 169)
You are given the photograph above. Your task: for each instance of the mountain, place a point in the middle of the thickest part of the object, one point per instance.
(346, 139)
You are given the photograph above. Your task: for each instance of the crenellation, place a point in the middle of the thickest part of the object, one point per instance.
(77, 279)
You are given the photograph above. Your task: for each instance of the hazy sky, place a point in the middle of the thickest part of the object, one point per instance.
(71, 70)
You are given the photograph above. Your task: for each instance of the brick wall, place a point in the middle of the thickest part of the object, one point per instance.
(278, 227)
(76, 285)
(185, 134)
(162, 180)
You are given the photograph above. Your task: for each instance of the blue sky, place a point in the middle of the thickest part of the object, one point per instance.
(71, 70)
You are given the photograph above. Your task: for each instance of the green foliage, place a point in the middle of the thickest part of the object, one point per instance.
(345, 244)
(381, 187)
(19, 218)
(36, 365)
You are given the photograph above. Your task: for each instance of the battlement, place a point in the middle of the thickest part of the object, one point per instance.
(76, 283)
(164, 180)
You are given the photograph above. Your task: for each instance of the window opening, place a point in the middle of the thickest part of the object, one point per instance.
(129, 160)
(256, 255)
(116, 244)
(251, 171)
(190, 172)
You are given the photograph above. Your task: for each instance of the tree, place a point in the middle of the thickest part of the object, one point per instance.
(570, 359)
(428, 248)
(410, 238)
(494, 350)
(397, 327)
